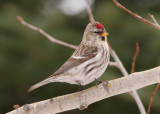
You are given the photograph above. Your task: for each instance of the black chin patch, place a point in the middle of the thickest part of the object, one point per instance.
(103, 38)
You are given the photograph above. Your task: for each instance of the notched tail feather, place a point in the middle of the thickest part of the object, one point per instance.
(44, 82)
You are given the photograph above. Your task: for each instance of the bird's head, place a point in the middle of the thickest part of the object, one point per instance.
(95, 33)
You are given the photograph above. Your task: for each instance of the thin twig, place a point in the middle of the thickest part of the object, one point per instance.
(91, 18)
(50, 38)
(152, 97)
(136, 15)
(134, 58)
(151, 16)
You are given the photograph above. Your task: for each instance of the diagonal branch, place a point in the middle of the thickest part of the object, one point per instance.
(91, 18)
(152, 97)
(50, 38)
(86, 97)
(136, 15)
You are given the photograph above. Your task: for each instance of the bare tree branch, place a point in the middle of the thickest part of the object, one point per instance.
(91, 18)
(86, 97)
(134, 58)
(152, 97)
(152, 17)
(136, 15)
(50, 38)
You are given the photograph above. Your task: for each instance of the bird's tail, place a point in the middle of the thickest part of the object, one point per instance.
(44, 82)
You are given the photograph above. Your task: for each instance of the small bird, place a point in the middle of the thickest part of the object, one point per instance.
(87, 63)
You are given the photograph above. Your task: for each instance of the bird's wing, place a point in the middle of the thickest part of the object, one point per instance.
(78, 57)
(81, 55)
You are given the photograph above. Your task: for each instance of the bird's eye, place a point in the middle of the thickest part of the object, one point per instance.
(98, 32)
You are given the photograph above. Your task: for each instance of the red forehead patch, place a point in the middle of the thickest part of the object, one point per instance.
(99, 26)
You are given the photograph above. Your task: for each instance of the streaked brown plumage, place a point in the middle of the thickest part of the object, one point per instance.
(87, 63)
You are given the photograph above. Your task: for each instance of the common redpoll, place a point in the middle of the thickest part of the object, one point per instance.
(87, 63)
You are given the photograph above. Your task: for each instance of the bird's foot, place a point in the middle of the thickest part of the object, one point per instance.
(98, 81)
(80, 87)
(106, 82)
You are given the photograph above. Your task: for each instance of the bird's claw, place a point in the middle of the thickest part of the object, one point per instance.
(80, 87)
(106, 82)
(98, 82)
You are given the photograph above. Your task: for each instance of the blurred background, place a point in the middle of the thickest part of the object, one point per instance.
(26, 57)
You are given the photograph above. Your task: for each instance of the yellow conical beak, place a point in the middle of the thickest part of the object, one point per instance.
(104, 34)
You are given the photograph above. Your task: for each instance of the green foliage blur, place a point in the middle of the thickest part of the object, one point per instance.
(26, 57)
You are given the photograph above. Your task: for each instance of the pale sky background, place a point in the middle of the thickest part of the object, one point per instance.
(69, 7)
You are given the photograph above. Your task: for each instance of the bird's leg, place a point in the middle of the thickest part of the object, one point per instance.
(80, 87)
(98, 81)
